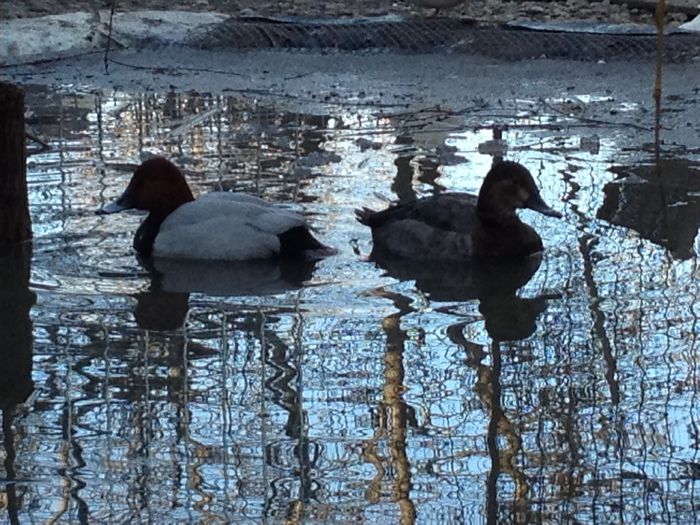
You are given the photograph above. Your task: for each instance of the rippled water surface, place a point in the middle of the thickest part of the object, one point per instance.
(215, 395)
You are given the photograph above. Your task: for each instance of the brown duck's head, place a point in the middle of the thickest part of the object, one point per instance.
(157, 186)
(508, 186)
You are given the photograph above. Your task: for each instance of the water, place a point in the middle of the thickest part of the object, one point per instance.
(358, 397)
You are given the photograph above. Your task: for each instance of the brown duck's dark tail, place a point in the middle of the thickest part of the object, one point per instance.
(364, 215)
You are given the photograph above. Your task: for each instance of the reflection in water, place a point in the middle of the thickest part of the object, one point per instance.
(261, 407)
(285, 384)
(160, 310)
(16, 382)
(488, 388)
(507, 317)
(660, 201)
(164, 306)
(402, 184)
(232, 278)
(393, 416)
(493, 282)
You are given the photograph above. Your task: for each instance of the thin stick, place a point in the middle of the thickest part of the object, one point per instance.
(44, 145)
(660, 15)
(109, 37)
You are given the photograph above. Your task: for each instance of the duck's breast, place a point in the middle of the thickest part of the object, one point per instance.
(224, 226)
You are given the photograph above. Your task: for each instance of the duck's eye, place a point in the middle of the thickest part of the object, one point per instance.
(515, 194)
(523, 194)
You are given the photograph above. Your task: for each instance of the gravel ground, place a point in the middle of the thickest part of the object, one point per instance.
(612, 11)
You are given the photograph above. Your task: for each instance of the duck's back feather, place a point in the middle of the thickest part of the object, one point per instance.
(447, 227)
(432, 228)
(445, 211)
(225, 226)
(234, 207)
(414, 239)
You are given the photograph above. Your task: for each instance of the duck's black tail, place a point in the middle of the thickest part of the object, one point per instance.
(299, 242)
(364, 215)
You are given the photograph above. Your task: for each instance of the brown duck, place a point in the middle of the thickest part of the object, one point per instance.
(459, 226)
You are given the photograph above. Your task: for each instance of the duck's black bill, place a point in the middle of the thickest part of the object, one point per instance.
(536, 203)
(112, 207)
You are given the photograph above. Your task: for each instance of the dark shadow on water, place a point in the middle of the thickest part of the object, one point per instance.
(494, 283)
(164, 306)
(16, 300)
(161, 311)
(659, 201)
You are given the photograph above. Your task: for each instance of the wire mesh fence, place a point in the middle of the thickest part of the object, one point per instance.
(453, 35)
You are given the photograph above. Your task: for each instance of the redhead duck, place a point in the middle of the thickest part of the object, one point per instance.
(458, 226)
(218, 226)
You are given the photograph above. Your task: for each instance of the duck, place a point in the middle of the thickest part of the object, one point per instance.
(217, 226)
(438, 4)
(455, 226)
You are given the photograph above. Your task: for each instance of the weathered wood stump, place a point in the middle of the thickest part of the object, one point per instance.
(15, 224)
(16, 299)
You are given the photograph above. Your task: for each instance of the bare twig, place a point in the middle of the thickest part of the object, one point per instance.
(44, 145)
(193, 121)
(179, 69)
(109, 36)
(660, 22)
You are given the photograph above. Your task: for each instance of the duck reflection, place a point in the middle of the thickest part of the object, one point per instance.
(166, 303)
(494, 282)
(660, 201)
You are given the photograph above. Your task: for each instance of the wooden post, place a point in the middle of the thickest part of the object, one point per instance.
(15, 224)
(16, 299)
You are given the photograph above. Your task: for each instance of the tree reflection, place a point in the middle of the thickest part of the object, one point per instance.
(488, 388)
(393, 417)
(660, 201)
(507, 317)
(16, 382)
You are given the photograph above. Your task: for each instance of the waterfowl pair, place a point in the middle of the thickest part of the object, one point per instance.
(224, 226)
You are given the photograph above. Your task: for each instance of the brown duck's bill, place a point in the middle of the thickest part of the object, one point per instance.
(536, 203)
